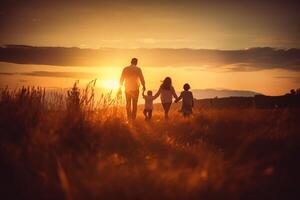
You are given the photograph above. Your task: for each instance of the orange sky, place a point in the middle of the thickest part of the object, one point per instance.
(213, 24)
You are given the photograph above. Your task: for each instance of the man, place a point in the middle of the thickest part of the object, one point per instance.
(133, 76)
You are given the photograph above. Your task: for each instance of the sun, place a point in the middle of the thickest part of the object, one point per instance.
(109, 84)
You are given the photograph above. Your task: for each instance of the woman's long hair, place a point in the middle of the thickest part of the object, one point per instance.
(166, 84)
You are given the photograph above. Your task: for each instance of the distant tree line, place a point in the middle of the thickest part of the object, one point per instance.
(289, 100)
(295, 92)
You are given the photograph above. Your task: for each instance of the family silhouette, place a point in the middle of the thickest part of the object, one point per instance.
(132, 77)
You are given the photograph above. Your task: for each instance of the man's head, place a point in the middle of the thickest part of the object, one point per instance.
(134, 61)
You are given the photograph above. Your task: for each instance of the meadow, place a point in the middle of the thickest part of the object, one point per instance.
(76, 146)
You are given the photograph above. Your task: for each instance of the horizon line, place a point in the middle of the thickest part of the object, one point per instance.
(147, 48)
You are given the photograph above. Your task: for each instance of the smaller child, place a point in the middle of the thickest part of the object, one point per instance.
(148, 104)
(187, 100)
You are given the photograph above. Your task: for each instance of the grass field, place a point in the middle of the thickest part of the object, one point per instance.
(77, 147)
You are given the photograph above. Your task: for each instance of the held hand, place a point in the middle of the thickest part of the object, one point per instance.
(144, 88)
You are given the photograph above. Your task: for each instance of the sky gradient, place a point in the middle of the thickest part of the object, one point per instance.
(245, 45)
(213, 24)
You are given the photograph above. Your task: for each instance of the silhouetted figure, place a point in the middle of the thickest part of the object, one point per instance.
(148, 104)
(293, 92)
(187, 100)
(166, 92)
(133, 76)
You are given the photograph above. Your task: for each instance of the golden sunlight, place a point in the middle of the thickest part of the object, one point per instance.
(109, 84)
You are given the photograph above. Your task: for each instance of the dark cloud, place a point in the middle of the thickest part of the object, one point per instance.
(7, 73)
(252, 59)
(79, 75)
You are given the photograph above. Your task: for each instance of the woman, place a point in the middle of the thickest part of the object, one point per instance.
(166, 92)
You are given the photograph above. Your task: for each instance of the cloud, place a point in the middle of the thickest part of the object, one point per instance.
(240, 67)
(7, 73)
(61, 74)
(295, 79)
(79, 75)
(153, 40)
(252, 59)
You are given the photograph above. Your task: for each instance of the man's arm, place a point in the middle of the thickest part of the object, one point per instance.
(121, 82)
(141, 76)
(143, 94)
(122, 77)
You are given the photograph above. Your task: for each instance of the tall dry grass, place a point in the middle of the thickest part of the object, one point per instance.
(77, 146)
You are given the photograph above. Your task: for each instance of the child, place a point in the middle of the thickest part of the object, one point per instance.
(187, 101)
(148, 104)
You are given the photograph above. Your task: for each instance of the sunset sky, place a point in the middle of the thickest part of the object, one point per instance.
(174, 25)
(216, 24)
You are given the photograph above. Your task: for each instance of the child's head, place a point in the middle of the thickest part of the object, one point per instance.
(149, 93)
(186, 87)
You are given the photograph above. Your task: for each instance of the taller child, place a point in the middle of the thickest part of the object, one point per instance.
(166, 92)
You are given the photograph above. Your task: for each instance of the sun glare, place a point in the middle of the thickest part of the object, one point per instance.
(109, 84)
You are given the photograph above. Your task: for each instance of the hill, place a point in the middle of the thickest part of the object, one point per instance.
(212, 93)
(258, 101)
